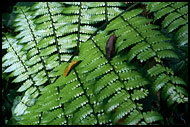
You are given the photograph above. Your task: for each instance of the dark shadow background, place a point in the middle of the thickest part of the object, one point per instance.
(8, 90)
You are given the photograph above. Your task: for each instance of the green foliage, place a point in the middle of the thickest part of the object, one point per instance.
(175, 18)
(175, 21)
(42, 38)
(144, 49)
(85, 96)
(14, 59)
(97, 90)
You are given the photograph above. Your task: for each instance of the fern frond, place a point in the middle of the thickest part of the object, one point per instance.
(103, 81)
(80, 101)
(97, 91)
(85, 102)
(133, 30)
(168, 85)
(175, 17)
(105, 89)
(20, 71)
(174, 94)
(33, 52)
(65, 22)
(140, 45)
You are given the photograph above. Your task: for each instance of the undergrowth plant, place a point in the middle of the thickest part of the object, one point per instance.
(174, 17)
(50, 35)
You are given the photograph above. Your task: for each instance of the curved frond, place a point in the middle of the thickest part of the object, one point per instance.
(136, 38)
(20, 71)
(52, 37)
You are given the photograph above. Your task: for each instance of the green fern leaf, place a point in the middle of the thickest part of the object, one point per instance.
(103, 82)
(21, 78)
(139, 94)
(81, 114)
(118, 99)
(109, 90)
(169, 18)
(160, 82)
(177, 80)
(48, 51)
(101, 70)
(168, 54)
(163, 12)
(60, 120)
(157, 69)
(152, 117)
(97, 91)
(176, 24)
(167, 90)
(25, 86)
(162, 46)
(123, 110)
(135, 83)
(80, 101)
(157, 5)
(49, 118)
(147, 54)
(134, 118)
(182, 33)
(175, 16)
(140, 47)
